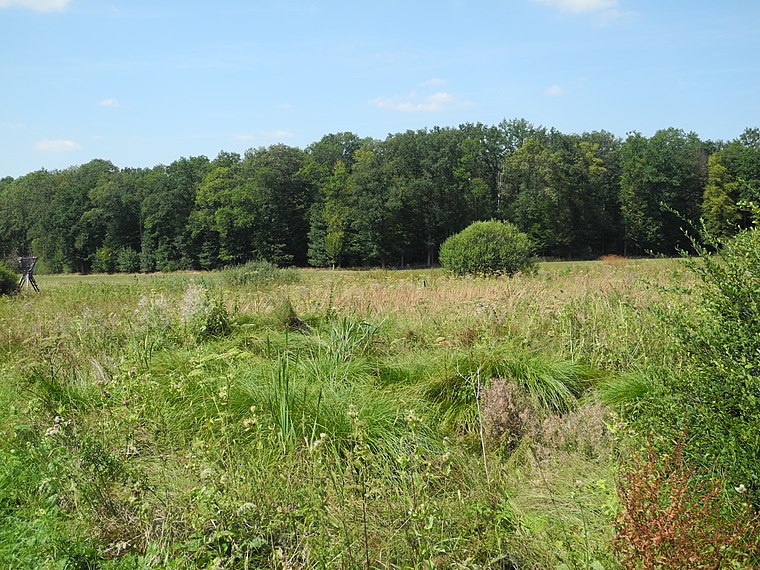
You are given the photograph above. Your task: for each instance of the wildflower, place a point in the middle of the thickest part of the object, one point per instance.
(741, 489)
(53, 430)
(411, 418)
(319, 441)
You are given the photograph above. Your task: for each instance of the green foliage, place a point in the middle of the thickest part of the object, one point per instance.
(719, 395)
(205, 313)
(151, 421)
(488, 248)
(8, 279)
(719, 209)
(127, 260)
(714, 395)
(668, 169)
(258, 274)
(104, 260)
(329, 221)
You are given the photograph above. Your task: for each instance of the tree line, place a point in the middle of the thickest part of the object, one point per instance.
(351, 201)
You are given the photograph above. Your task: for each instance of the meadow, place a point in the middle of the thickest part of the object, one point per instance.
(328, 419)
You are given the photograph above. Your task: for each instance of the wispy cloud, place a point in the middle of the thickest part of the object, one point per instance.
(37, 5)
(581, 5)
(554, 91)
(277, 135)
(57, 145)
(415, 103)
(435, 82)
(109, 102)
(604, 12)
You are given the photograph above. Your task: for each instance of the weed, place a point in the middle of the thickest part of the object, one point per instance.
(672, 518)
(508, 413)
(285, 315)
(204, 313)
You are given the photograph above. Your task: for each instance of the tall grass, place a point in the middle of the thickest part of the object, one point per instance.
(372, 434)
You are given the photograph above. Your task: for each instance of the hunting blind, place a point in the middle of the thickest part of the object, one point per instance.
(27, 273)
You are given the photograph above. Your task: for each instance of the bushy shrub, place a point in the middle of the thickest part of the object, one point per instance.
(127, 260)
(8, 279)
(488, 248)
(259, 273)
(104, 260)
(718, 398)
(714, 397)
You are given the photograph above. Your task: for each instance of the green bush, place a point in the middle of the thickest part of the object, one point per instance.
(488, 248)
(719, 399)
(8, 279)
(127, 260)
(104, 260)
(714, 397)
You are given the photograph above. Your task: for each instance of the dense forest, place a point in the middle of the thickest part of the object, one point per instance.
(352, 201)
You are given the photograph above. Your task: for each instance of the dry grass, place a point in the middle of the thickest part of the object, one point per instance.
(591, 309)
(614, 259)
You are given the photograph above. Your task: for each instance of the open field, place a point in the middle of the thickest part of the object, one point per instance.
(322, 419)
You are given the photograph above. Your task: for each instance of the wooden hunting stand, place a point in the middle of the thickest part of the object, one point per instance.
(27, 269)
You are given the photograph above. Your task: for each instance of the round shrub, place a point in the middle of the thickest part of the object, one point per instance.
(8, 280)
(488, 248)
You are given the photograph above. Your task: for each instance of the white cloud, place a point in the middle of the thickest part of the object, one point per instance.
(414, 103)
(37, 5)
(109, 102)
(435, 82)
(581, 5)
(57, 145)
(554, 91)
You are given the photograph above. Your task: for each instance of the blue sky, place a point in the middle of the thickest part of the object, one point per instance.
(143, 82)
